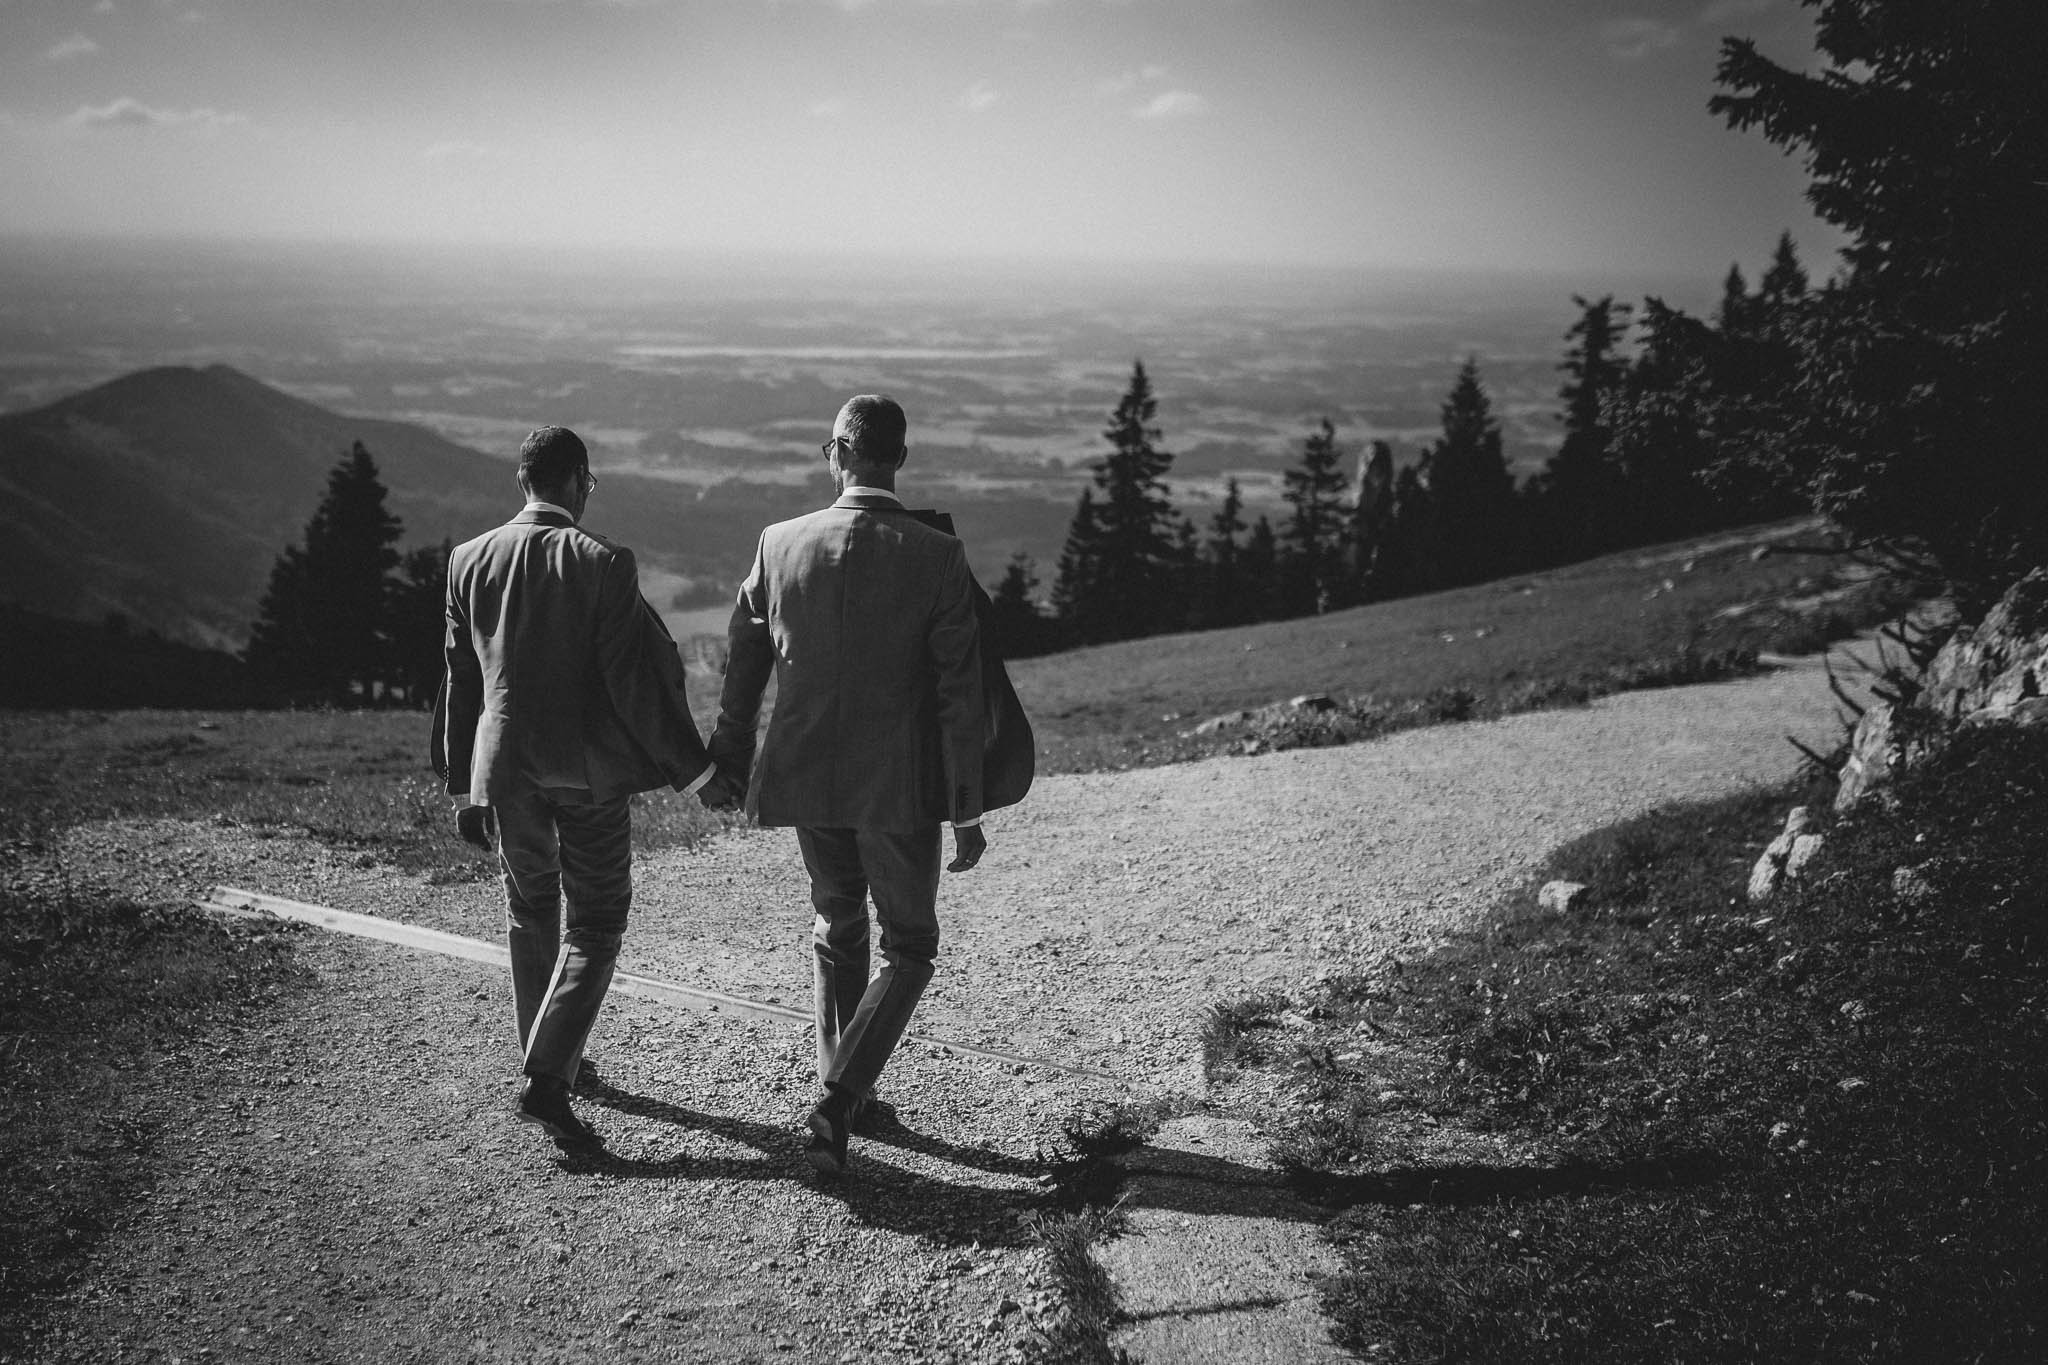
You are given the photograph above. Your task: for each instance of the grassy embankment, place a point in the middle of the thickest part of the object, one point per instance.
(1811, 1130)
(98, 996)
(1688, 612)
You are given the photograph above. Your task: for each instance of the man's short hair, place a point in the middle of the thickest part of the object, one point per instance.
(551, 457)
(875, 426)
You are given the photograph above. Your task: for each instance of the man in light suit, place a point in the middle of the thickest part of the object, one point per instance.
(865, 616)
(564, 697)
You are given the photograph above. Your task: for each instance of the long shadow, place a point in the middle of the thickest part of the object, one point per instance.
(1474, 1184)
(879, 1193)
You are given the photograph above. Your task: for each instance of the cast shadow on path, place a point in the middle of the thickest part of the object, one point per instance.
(874, 1190)
(1477, 1184)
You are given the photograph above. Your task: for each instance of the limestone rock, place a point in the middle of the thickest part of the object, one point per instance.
(1560, 897)
(2002, 662)
(1804, 847)
(1771, 868)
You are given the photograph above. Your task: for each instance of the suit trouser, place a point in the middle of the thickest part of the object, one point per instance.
(554, 849)
(860, 1022)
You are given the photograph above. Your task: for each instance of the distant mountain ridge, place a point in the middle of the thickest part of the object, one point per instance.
(166, 494)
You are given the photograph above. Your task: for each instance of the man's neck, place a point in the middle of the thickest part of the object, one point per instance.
(887, 490)
(543, 505)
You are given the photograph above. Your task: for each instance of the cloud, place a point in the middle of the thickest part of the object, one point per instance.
(67, 49)
(1126, 82)
(1631, 40)
(1174, 104)
(979, 96)
(129, 112)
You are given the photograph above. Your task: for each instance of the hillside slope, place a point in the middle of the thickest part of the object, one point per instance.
(166, 495)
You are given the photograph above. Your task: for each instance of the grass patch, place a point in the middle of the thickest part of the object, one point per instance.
(355, 780)
(1689, 612)
(97, 997)
(1812, 1130)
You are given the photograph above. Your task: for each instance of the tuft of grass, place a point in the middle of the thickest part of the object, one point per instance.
(1810, 1130)
(1086, 1309)
(98, 999)
(1233, 1031)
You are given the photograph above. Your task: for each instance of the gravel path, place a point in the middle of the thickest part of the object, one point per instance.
(349, 1186)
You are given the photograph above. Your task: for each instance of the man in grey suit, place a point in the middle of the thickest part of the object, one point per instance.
(865, 617)
(564, 697)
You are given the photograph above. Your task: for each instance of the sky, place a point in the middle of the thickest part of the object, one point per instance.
(1520, 134)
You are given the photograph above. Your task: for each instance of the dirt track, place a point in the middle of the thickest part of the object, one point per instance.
(351, 1187)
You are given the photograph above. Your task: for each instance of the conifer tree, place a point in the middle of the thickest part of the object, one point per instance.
(1015, 622)
(1472, 493)
(1224, 573)
(418, 622)
(1369, 538)
(1259, 574)
(1922, 128)
(1314, 533)
(1580, 487)
(1122, 543)
(323, 626)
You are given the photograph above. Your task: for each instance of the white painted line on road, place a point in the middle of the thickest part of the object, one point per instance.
(233, 900)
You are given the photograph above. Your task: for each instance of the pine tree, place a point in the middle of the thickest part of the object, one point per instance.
(1314, 534)
(1580, 486)
(1225, 575)
(1922, 128)
(418, 622)
(1369, 538)
(1470, 487)
(1015, 623)
(323, 626)
(1259, 574)
(1122, 543)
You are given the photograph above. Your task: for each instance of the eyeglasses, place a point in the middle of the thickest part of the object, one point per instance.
(828, 447)
(589, 483)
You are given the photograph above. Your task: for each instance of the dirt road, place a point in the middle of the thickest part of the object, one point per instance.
(347, 1184)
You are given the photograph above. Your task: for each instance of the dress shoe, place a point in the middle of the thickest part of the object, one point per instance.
(545, 1100)
(870, 1113)
(829, 1127)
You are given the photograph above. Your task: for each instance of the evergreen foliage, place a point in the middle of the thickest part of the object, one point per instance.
(1018, 629)
(1471, 493)
(1580, 487)
(323, 627)
(1118, 576)
(418, 622)
(1313, 566)
(1926, 137)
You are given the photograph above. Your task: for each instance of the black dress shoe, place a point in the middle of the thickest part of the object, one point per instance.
(545, 1100)
(870, 1114)
(828, 1124)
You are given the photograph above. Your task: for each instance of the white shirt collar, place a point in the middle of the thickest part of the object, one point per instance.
(861, 490)
(536, 505)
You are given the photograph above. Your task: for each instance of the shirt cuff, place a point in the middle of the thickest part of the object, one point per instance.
(967, 824)
(697, 782)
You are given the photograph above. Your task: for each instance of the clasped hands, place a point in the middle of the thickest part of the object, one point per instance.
(726, 789)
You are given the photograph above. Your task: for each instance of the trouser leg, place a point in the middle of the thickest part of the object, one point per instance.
(597, 881)
(529, 855)
(902, 872)
(839, 935)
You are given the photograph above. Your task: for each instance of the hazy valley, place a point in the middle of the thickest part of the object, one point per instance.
(704, 388)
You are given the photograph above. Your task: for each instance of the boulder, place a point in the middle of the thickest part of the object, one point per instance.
(1313, 701)
(2001, 662)
(1559, 897)
(1771, 868)
(1804, 847)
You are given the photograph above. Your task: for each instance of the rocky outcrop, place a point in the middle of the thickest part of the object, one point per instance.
(1995, 672)
(1786, 857)
(1561, 897)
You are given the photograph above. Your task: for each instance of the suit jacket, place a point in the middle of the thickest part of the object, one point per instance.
(865, 617)
(560, 675)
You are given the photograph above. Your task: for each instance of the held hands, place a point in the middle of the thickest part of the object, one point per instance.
(476, 825)
(724, 791)
(968, 846)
